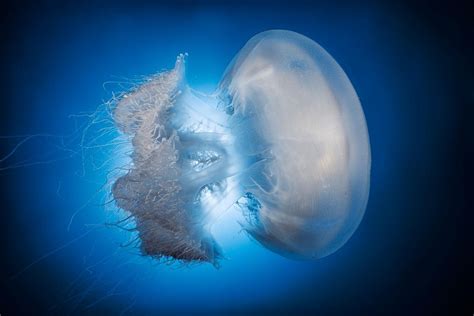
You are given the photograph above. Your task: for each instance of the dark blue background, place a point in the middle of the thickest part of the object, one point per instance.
(411, 67)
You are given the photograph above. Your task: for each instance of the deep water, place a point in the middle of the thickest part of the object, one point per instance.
(410, 254)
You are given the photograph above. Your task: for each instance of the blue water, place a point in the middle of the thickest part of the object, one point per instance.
(62, 62)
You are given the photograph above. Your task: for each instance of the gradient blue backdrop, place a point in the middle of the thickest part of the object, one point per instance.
(411, 74)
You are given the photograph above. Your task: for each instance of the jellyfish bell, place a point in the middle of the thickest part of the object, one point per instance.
(300, 108)
(283, 138)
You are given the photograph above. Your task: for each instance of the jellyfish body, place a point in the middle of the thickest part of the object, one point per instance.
(284, 138)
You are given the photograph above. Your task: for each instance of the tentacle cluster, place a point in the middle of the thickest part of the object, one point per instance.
(151, 191)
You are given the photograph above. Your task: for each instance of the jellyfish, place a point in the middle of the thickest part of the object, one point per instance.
(283, 138)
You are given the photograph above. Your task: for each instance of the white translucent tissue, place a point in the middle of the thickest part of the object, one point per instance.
(283, 137)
